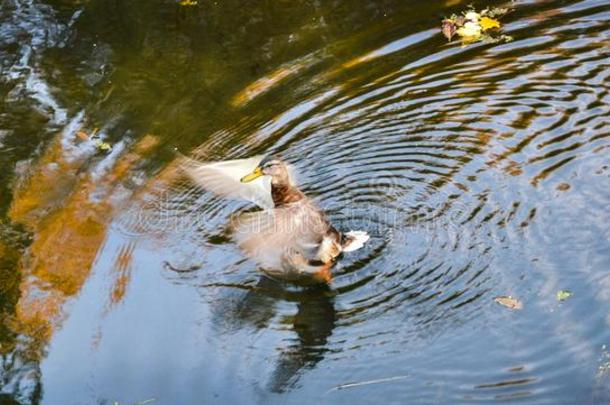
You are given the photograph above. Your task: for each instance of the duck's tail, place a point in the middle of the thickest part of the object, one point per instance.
(354, 240)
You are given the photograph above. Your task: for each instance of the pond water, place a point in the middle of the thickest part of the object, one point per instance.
(479, 171)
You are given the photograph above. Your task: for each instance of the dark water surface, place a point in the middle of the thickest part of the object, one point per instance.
(479, 171)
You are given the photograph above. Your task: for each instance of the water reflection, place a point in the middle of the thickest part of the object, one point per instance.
(311, 325)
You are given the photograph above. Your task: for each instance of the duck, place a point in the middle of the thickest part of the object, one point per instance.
(289, 237)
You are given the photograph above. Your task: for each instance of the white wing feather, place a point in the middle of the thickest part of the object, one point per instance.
(223, 179)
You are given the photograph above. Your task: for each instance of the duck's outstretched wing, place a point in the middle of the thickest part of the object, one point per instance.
(223, 179)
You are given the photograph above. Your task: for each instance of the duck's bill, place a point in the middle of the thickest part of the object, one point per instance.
(258, 172)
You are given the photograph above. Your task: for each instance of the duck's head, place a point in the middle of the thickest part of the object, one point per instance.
(270, 166)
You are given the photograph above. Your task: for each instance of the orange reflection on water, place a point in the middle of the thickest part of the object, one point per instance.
(122, 270)
(69, 215)
(265, 83)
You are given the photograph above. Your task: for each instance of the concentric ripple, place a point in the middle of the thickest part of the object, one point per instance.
(449, 159)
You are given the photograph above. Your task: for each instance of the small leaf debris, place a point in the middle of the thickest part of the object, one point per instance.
(99, 144)
(103, 146)
(509, 302)
(563, 295)
(474, 26)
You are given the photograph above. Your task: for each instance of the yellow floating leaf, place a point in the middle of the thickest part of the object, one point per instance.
(563, 295)
(103, 146)
(188, 3)
(487, 23)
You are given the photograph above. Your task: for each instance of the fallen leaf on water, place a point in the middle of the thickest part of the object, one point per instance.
(470, 30)
(84, 136)
(448, 29)
(103, 146)
(509, 302)
(488, 23)
(471, 26)
(472, 15)
(494, 12)
(563, 295)
(188, 3)
(496, 39)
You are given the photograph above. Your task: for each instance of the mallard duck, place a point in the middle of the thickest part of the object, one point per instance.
(291, 238)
